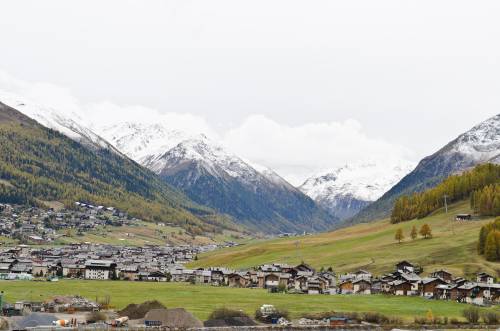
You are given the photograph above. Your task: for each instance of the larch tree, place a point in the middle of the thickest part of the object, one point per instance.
(399, 236)
(414, 233)
(491, 248)
(426, 231)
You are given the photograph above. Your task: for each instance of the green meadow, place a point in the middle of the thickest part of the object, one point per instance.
(372, 247)
(202, 300)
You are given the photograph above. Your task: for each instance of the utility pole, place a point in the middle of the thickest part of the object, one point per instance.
(445, 204)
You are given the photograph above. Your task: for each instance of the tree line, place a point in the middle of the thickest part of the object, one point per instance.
(486, 201)
(489, 241)
(455, 188)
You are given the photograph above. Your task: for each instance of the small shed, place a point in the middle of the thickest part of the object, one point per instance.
(463, 217)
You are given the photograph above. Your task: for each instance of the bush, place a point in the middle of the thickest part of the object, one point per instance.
(420, 320)
(95, 316)
(491, 317)
(223, 313)
(454, 321)
(375, 318)
(471, 314)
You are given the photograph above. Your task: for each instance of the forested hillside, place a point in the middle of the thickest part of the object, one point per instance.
(480, 185)
(37, 163)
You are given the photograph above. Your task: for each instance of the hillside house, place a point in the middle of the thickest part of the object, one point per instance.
(428, 286)
(239, 280)
(483, 277)
(443, 275)
(361, 286)
(346, 287)
(406, 267)
(401, 287)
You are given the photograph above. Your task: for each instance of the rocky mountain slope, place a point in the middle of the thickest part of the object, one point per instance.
(480, 144)
(348, 189)
(212, 176)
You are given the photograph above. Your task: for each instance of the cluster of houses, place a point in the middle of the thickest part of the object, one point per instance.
(98, 262)
(406, 280)
(35, 225)
(168, 263)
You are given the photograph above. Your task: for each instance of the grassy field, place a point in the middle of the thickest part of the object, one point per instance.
(202, 300)
(370, 246)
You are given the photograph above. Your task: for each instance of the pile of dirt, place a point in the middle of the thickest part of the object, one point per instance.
(177, 318)
(230, 321)
(137, 311)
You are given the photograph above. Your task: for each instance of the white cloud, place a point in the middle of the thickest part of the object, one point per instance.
(298, 151)
(295, 152)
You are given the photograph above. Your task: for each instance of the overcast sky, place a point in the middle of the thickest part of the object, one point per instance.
(335, 81)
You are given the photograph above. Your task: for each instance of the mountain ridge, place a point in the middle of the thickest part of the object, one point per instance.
(346, 190)
(478, 145)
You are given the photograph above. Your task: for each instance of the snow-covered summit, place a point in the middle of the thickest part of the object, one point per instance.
(347, 189)
(210, 155)
(481, 143)
(364, 181)
(144, 140)
(69, 123)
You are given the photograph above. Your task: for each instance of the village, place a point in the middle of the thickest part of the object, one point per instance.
(168, 264)
(35, 225)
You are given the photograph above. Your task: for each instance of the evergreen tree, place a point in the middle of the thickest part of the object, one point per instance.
(414, 233)
(399, 236)
(426, 231)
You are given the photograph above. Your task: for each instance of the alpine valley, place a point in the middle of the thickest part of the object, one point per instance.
(195, 174)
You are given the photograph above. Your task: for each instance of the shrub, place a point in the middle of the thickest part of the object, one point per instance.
(420, 320)
(375, 318)
(491, 317)
(95, 316)
(454, 321)
(471, 314)
(223, 313)
(281, 288)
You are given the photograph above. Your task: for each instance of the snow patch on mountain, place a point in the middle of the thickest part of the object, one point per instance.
(139, 140)
(345, 190)
(481, 143)
(364, 181)
(70, 124)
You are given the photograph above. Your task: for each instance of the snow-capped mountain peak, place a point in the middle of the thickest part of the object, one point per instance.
(482, 142)
(141, 140)
(68, 123)
(347, 189)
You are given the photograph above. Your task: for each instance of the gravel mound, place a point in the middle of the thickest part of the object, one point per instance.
(138, 311)
(230, 321)
(174, 318)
